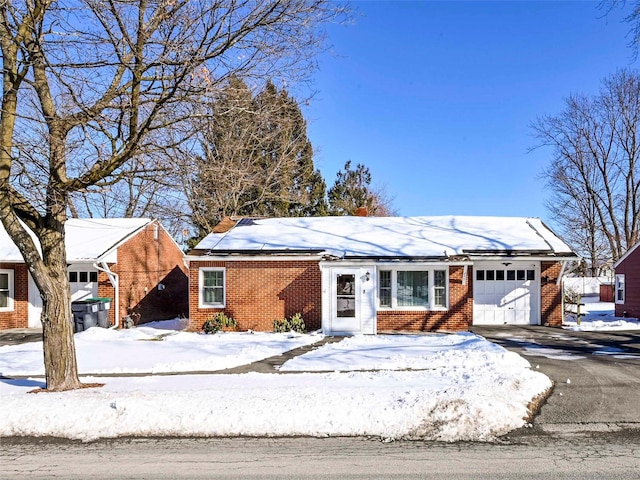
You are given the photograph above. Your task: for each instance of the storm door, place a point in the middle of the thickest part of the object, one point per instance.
(345, 311)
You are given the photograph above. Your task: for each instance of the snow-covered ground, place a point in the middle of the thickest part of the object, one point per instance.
(435, 386)
(599, 316)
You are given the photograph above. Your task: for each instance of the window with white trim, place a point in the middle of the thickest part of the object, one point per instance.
(212, 287)
(413, 288)
(619, 288)
(6, 290)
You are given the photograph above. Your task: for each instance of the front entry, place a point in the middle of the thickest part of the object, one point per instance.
(345, 301)
(348, 304)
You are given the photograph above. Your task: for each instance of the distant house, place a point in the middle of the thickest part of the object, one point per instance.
(351, 275)
(626, 287)
(132, 261)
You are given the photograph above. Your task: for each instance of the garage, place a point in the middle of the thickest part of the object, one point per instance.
(506, 293)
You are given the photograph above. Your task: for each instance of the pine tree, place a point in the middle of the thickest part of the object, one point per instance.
(257, 159)
(352, 191)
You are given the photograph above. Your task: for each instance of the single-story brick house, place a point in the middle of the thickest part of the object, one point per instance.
(358, 274)
(626, 287)
(133, 261)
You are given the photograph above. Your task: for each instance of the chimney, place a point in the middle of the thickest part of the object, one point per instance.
(361, 212)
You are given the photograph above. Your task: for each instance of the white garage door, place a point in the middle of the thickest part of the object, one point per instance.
(506, 294)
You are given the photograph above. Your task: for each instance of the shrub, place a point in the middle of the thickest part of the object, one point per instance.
(572, 296)
(295, 323)
(218, 322)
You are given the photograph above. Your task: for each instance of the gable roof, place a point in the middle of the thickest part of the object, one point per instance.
(627, 254)
(86, 238)
(390, 237)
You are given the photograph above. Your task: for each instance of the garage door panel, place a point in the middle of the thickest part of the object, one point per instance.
(506, 294)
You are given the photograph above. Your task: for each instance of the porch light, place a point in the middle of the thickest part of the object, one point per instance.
(367, 276)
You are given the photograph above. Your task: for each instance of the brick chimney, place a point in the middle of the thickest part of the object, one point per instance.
(361, 212)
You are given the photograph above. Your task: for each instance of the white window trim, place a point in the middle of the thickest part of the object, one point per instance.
(432, 289)
(10, 302)
(620, 284)
(201, 303)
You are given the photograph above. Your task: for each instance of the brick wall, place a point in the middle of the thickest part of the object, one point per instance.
(630, 267)
(550, 294)
(259, 292)
(458, 317)
(144, 262)
(19, 317)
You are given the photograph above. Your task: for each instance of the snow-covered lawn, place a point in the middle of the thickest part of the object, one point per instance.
(599, 316)
(436, 386)
(158, 347)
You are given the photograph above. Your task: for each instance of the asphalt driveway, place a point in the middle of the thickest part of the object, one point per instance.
(596, 376)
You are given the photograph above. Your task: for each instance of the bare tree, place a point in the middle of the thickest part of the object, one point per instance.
(92, 84)
(594, 176)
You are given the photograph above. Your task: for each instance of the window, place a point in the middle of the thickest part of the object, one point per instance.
(212, 287)
(509, 275)
(385, 288)
(412, 288)
(440, 288)
(619, 288)
(83, 277)
(6, 290)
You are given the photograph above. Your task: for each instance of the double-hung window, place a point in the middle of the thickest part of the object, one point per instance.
(619, 288)
(413, 288)
(212, 287)
(6, 290)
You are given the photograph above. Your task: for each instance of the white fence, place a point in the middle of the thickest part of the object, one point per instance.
(587, 286)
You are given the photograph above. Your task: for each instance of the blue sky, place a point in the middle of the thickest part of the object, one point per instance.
(437, 98)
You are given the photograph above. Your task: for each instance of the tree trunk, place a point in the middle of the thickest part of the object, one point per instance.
(57, 319)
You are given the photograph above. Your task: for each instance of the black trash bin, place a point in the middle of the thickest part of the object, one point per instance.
(104, 305)
(85, 314)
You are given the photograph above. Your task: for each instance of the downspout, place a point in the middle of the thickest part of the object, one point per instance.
(115, 283)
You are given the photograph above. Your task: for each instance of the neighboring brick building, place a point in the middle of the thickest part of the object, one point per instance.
(626, 288)
(370, 274)
(136, 255)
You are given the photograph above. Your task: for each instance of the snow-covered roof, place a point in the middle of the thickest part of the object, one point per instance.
(86, 238)
(380, 237)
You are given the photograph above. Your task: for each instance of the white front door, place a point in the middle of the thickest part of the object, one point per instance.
(506, 293)
(345, 300)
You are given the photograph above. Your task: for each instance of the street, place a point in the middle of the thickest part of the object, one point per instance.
(602, 456)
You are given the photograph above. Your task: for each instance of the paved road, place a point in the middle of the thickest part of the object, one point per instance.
(610, 456)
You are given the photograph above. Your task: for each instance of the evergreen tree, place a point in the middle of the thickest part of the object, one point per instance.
(257, 159)
(352, 191)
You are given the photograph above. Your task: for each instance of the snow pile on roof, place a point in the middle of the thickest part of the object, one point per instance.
(473, 390)
(86, 238)
(389, 236)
